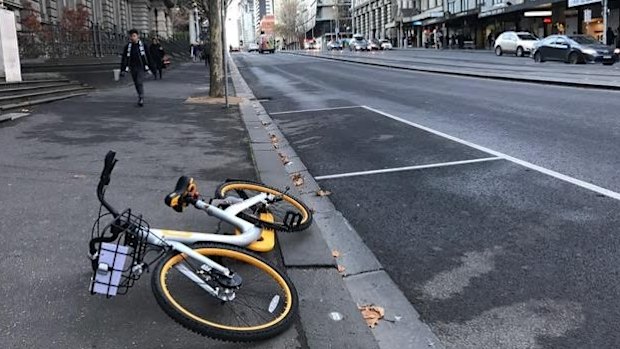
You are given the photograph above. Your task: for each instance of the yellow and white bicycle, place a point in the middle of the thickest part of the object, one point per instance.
(208, 283)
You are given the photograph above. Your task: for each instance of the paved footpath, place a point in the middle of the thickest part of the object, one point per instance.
(51, 161)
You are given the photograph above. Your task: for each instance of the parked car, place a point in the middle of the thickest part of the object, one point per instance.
(519, 43)
(386, 44)
(253, 47)
(574, 49)
(374, 44)
(358, 43)
(334, 45)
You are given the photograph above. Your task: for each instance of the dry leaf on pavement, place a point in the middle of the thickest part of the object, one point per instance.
(274, 138)
(323, 193)
(297, 179)
(336, 253)
(372, 314)
(284, 159)
(341, 268)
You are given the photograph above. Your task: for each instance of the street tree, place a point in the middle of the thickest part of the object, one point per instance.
(289, 24)
(213, 11)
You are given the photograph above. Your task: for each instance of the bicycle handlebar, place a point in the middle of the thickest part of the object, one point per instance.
(104, 180)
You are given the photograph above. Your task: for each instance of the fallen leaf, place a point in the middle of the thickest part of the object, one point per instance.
(24, 110)
(284, 159)
(372, 314)
(274, 138)
(341, 268)
(265, 123)
(336, 253)
(323, 193)
(297, 179)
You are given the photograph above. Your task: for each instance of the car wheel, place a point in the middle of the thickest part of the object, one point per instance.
(498, 51)
(538, 57)
(519, 51)
(574, 58)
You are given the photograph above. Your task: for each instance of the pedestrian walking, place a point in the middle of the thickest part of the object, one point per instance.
(491, 40)
(157, 55)
(438, 39)
(136, 60)
(611, 37)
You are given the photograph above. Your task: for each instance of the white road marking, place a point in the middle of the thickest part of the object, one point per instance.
(310, 110)
(569, 179)
(406, 168)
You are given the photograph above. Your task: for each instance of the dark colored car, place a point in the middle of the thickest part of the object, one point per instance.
(574, 49)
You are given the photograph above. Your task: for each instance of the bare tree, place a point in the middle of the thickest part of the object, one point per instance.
(289, 24)
(212, 9)
(216, 56)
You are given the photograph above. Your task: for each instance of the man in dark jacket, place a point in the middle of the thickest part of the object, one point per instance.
(157, 55)
(136, 60)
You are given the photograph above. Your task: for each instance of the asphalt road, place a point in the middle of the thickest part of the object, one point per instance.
(492, 254)
(478, 60)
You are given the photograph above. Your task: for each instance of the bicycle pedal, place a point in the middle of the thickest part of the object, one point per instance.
(292, 219)
(267, 240)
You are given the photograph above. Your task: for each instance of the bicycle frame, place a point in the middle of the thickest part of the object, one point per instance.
(179, 241)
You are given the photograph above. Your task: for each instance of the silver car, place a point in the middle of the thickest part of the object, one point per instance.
(358, 43)
(519, 43)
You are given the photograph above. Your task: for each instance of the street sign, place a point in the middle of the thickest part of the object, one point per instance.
(587, 15)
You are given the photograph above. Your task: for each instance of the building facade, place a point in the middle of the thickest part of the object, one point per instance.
(410, 22)
(147, 16)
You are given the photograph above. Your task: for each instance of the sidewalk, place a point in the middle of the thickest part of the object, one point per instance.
(54, 156)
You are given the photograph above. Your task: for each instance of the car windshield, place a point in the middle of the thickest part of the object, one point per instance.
(385, 41)
(584, 40)
(526, 37)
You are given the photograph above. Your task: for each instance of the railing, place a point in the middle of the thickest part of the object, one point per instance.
(55, 42)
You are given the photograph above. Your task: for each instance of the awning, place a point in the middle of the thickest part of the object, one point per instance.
(527, 5)
(437, 12)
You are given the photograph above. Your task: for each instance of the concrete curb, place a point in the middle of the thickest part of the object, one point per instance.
(363, 281)
(502, 77)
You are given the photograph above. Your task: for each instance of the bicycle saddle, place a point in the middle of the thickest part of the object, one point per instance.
(185, 189)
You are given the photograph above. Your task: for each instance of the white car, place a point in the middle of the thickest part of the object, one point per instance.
(519, 43)
(253, 47)
(386, 44)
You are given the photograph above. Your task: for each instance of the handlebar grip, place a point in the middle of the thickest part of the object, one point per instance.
(109, 163)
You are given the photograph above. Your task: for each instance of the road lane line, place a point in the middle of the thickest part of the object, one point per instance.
(319, 109)
(569, 179)
(406, 168)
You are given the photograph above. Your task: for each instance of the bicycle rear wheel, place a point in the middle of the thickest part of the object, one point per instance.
(264, 304)
(286, 211)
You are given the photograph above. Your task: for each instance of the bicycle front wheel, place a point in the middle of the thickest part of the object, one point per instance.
(286, 211)
(263, 305)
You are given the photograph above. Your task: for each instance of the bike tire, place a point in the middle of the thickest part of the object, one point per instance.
(278, 224)
(206, 327)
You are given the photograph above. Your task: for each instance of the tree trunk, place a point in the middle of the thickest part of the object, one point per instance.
(216, 62)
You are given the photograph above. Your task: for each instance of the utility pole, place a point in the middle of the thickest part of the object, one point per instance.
(224, 57)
